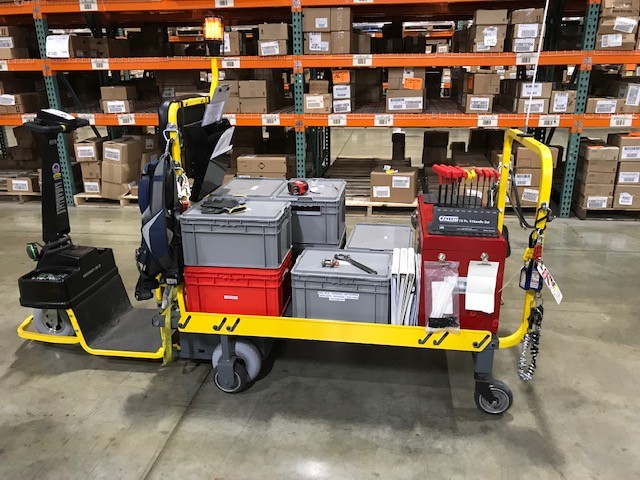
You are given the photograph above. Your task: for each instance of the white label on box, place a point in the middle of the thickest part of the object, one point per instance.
(560, 102)
(630, 152)
(527, 30)
(85, 151)
(597, 202)
(28, 117)
(149, 143)
(341, 92)
(407, 73)
(443, 48)
(339, 296)
(625, 199)
(270, 119)
(524, 45)
(482, 47)
(111, 154)
(314, 101)
(487, 120)
(116, 106)
(231, 117)
(99, 64)
(342, 106)
(624, 24)
(91, 187)
(6, 42)
(168, 92)
(7, 99)
(383, 120)
(610, 41)
(413, 103)
(20, 185)
(362, 60)
(523, 179)
(621, 120)
(530, 195)
(226, 42)
(88, 5)
(322, 22)
(490, 36)
(230, 297)
(633, 95)
(126, 119)
(337, 120)
(549, 121)
(231, 62)
(323, 47)
(525, 59)
(57, 46)
(269, 48)
(629, 177)
(90, 117)
(4, 66)
(479, 104)
(401, 182)
(606, 106)
(381, 192)
(224, 3)
(532, 90)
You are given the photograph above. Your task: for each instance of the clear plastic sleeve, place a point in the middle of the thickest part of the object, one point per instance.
(441, 296)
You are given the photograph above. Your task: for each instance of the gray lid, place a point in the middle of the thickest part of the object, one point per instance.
(310, 263)
(380, 236)
(257, 210)
(326, 190)
(251, 187)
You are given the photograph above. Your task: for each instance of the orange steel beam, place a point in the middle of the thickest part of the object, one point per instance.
(71, 6)
(169, 63)
(24, 65)
(186, 38)
(600, 57)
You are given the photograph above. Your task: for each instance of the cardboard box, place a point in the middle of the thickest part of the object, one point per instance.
(397, 76)
(598, 150)
(23, 185)
(122, 150)
(122, 92)
(13, 42)
(92, 186)
(115, 172)
(527, 15)
(257, 105)
(343, 41)
(619, 8)
(341, 18)
(341, 77)
(594, 189)
(273, 31)
(12, 31)
(628, 173)
(405, 101)
(268, 48)
(253, 88)
(233, 87)
(148, 157)
(491, 17)
(89, 149)
(616, 41)
(148, 142)
(91, 170)
(400, 186)
(524, 89)
(482, 83)
(319, 86)
(629, 145)
(599, 178)
(317, 103)
(67, 46)
(21, 103)
(363, 41)
(114, 191)
(317, 43)
(118, 106)
(562, 101)
(627, 197)
(524, 30)
(343, 105)
(597, 166)
(593, 202)
(481, 47)
(11, 53)
(232, 105)
(316, 20)
(476, 103)
(233, 44)
(524, 157)
(527, 177)
(524, 105)
(617, 25)
(108, 47)
(489, 35)
(265, 163)
(521, 45)
(343, 92)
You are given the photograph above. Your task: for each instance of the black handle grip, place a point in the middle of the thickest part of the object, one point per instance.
(38, 127)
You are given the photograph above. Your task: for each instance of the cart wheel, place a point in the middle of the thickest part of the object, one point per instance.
(241, 380)
(247, 355)
(53, 322)
(504, 399)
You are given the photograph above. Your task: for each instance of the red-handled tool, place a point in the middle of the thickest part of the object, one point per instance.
(459, 176)
(480, 174)
(444, 176)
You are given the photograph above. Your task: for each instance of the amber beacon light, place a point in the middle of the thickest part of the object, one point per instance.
(213, 34)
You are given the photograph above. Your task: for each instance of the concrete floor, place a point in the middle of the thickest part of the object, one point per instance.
(334, 411)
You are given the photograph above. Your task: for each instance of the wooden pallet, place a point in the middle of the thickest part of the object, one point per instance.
(364, 202)
(21, 197)
(357, 173)
(606, 214)
(127, 199)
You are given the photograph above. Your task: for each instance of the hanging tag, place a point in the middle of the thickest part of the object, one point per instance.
(88, 5)
(99, 64)
(550, 282)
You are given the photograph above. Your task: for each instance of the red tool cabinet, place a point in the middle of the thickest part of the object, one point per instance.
(462, 249)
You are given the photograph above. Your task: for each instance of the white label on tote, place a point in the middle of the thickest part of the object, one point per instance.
(85, 151)
(381, 192)
(610, 41)
(322, 22)
(629, 177)
(625, 199)
(20, 185)
(269, 48)
(490, 36)
(401, 182)
(630, 152)
(112, 154)
(479, 104)
(528, 30)
(532, 90)
(633, 95)
(91, 187)
(597, 202)
(339, 296)
(624, 24)
(314, 101)
(560, 102)
(606, 106)
(523, 179)
(530, 195)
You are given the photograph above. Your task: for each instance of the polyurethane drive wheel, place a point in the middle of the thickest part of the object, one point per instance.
(504, 399)
(53, 322)
(240, 380)
(247, 366)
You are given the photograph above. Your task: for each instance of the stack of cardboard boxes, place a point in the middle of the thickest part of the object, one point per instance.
(88, 153)
(256, 96)
(318, 100)
(266, 165)
(120, 99)
(618, 25)
(316, 26)
(13, 42)
(521, 96)
(26, 153)
(330, 30)
(173, 83)
(405, 90)
(525, 30)
(273, 39)
(476, 91)
(595, 175)
(528, 174)
(74, 46)
(232, 105)
(120, 166)
(626, 93)
(233, 44)
(487, 34)
(626, 195)
(344, 91)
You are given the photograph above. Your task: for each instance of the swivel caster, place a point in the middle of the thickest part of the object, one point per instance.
(246, 364)
(241, 380)
(53, 322)
(502, 397)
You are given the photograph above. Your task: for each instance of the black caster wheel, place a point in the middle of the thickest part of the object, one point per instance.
(241, 380)
(503, 398)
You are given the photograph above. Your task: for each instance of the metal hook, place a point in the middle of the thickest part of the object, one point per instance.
(438, 342)
(233, 327)
(479, 344)
(186, 322)
(217, 328)
(425, 339)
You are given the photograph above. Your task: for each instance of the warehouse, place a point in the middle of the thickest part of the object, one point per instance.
(382, 239)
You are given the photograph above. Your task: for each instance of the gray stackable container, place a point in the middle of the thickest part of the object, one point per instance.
(259, 237)
(259, 188)
(379, 237)
(317, 218)
(344, 292)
